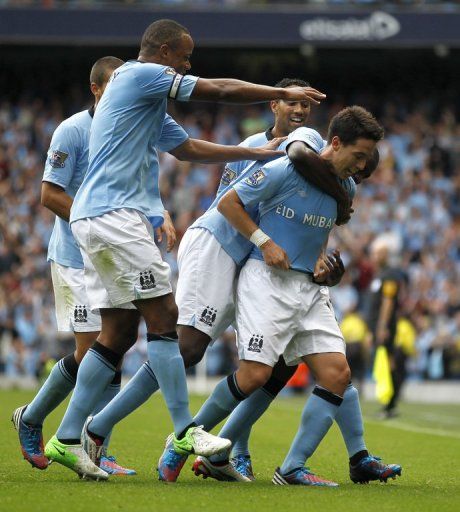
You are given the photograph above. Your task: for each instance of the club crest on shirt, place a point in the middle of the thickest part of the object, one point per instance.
(170, 71)
(208, 316)
(80, 314)
(256, 343)
(57, 158)
(146, 280)
(227, 176)
(256, 178)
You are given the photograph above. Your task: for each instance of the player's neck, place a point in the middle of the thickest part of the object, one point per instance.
(152, 59)
(326, 154)
(276, 132)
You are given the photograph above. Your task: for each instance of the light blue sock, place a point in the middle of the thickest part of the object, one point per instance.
(54, 390)
(168, 366)
(243, 418)
(94, 375)
(241, 445)
(136, 392)
(317, 417)
(109, 394)
(350, 421)
(225, 397)
(240, 422)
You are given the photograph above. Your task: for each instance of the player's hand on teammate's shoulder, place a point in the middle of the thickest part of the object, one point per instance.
(344, 211)
(270, 149)
(329, 269)
(275, 256)
(303, 94)
(168, 230)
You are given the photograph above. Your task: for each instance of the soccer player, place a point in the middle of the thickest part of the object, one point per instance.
(65, 166)
(281, 310)
(112, 218)
(209, 255)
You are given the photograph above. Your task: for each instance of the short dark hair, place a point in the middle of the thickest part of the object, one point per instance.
(102, 69)
(292, 82)
(353, 123)
(161, 32)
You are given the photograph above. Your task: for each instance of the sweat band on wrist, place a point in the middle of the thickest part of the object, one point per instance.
(258, 238)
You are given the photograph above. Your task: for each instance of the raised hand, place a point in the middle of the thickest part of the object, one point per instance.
(304, 94)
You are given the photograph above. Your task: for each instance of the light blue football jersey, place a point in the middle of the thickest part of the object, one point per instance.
(293, 213)
(236, 245)
(66, 164)
(129, 125)
(234, 169)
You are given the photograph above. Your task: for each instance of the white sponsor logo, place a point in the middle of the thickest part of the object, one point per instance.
(379, 25)
(318, 221)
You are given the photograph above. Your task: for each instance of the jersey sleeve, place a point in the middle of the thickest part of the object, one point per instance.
(260, 185)
(164, 82)
(172, 135)
(389, 288)
(307, 135)
(62, 156)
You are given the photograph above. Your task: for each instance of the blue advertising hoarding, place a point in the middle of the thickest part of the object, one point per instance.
(256, 28)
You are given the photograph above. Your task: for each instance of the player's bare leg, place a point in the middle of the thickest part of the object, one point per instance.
(192, 344)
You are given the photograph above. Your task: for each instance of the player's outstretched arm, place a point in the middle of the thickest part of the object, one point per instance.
(195, 150)
(56, 199)
(228, 90)
(231, 207)
(317, 171)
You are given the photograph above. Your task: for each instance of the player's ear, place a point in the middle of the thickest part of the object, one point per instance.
(164, 50)
(336, 142)
(274, 106)
(94, 88)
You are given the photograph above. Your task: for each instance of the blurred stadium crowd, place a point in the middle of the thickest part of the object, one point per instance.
(413, 201)
(222, 3)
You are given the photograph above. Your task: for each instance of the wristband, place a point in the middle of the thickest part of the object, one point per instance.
(258, 238)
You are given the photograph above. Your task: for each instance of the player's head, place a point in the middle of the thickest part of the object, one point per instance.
(168, 43)
(353, 135)
(100, 73)
(290, 115)
(380, 251)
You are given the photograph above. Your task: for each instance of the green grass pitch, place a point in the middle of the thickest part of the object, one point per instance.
(425, 440)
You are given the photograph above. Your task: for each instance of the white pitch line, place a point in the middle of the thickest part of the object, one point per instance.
(386, 423)
(411, 428)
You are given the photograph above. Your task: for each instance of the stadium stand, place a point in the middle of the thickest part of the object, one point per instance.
(413, 199)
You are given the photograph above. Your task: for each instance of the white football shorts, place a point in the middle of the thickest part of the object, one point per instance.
(73, 312)
(122, 261)
(206, 285)
(281, 312)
